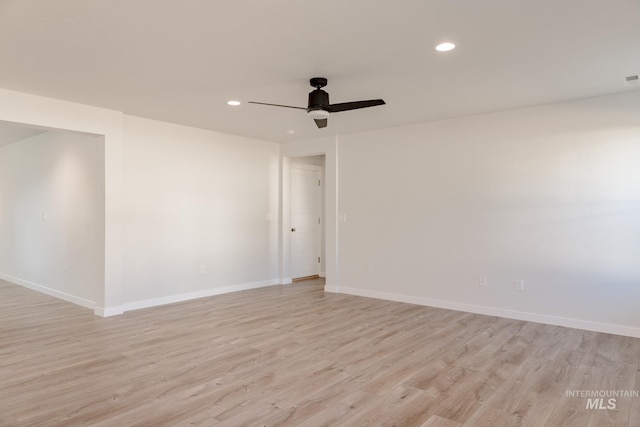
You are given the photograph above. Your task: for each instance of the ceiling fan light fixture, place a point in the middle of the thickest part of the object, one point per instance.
(318, 114)
(445, 46)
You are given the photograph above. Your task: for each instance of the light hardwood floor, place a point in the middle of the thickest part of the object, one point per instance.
(293, 355)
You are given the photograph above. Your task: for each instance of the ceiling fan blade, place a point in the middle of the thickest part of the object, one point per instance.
(321, 123)
(346, 106)
(277, 105)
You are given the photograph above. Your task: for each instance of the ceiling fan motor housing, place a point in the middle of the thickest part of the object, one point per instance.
(318, 100)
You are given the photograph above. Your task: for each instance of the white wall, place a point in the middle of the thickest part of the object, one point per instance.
(196, 198)
(52, 215)
(547, 194)
(227, 220)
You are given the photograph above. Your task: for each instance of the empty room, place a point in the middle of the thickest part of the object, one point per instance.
(347, 213)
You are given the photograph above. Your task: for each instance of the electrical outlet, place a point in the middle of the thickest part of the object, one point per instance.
(371, 269)
(519, 285)
(203, 269)
(483, 281)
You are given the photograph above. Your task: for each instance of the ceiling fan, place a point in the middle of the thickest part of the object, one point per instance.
(319, 107)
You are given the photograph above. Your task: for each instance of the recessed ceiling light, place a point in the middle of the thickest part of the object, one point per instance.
(291, 131)
(445, 47)
(233, 103)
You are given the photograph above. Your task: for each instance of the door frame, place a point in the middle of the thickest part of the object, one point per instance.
(284, 240)
(319, 213)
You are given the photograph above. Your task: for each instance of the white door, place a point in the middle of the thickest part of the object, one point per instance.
(305, 220)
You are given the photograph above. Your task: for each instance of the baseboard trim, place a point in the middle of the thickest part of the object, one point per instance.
(287, 281)
(608, 328)
(108, 311)
(333, 289)
(323, 274)
(170, 299)
(135, 305)
(49, 291)
(302, 279)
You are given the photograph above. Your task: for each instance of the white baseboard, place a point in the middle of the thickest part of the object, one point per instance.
(117, 310)
(49, 291)
(608, 328)
(322, 274)
(170, 299)
(108, 311)
(287, 281)
(333, 289)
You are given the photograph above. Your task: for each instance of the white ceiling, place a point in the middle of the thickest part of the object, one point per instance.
(180, 61)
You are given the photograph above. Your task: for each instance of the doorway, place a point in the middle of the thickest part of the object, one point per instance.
(307, 223)
(52, 215)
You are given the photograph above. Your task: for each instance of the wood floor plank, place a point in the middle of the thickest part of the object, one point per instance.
(437, 421)
(293, 355)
